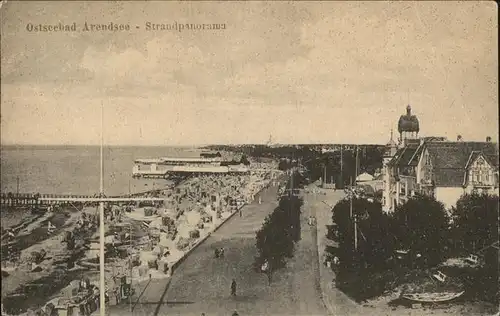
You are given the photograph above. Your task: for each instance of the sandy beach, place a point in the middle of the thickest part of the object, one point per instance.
(143, 240)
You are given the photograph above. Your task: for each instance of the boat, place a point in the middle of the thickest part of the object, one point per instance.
(432, 297)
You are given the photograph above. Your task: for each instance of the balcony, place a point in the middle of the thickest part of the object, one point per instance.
(482, 185)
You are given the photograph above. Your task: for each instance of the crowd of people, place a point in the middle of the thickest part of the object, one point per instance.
(156, 235)
(188, 213)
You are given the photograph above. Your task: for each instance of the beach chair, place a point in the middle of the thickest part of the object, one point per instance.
(440, 276)
(51, 228)
(473, 259)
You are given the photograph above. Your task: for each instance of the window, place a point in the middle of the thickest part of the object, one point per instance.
(480, 174)
(427, 159)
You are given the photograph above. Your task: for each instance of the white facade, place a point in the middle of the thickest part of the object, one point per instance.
(481, 176)
(448, 195)
(478, 176)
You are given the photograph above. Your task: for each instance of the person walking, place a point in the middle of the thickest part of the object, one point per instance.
(233, 287)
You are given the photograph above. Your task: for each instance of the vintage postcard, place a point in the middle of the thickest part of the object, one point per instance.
(264, 158)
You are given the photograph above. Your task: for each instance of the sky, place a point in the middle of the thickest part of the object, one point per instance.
(301, 72)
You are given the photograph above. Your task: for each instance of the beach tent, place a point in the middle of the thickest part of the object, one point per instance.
(364, 177)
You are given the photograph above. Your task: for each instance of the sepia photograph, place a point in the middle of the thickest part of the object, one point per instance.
(249, 158)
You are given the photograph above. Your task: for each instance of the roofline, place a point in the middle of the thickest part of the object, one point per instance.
(467, 166)
(416, 151)
(401, 155)
(470, 157)
(463, 142)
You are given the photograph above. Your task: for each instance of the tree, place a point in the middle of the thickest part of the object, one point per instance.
(290, 206)
(274, 244)
(475, 221)
(475, 224)
(275, 240)
(370, 158)
(422, 225)
(374, 238)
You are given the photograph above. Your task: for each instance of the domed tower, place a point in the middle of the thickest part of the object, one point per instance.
(408, 126)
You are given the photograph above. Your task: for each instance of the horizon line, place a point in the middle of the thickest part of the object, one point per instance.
(192, 145)
(214, 144)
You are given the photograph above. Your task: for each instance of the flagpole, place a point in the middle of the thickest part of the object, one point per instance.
(356, 167)
(341, 168)
(102, 287)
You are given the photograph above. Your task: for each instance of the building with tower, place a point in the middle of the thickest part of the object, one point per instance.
(408, 127)
(435, 166)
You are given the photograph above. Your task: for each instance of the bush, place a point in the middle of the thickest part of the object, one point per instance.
(475, 230)
(475, 221)
(421, 225)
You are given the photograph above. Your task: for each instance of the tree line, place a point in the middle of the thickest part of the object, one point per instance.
(275, 240)
(369, 160)
(421, 230)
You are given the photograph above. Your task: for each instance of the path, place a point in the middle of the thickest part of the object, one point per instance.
(202, 283)
(319, 205)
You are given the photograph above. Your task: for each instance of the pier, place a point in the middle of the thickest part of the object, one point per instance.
(164, 171)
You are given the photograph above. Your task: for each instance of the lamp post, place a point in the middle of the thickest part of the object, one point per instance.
(353, 217)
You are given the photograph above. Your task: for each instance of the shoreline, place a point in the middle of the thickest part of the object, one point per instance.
(200, 241)
(176, 260)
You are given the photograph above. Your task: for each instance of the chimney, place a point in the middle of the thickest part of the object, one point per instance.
(459, 138)
(488, 139)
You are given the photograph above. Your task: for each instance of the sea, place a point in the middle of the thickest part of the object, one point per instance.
(76, 169)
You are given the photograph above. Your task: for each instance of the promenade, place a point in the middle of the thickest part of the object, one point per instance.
(201, 283)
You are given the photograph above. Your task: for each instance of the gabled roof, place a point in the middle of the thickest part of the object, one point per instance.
(450, 160)
(475, 155)
(457, 154)
(416, 156)
(403, 156)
